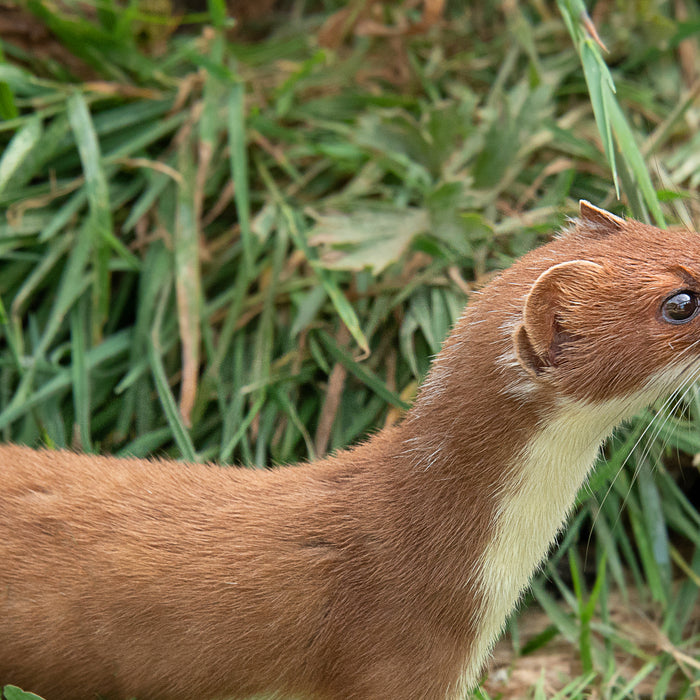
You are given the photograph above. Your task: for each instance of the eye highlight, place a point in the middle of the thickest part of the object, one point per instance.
(681, 307)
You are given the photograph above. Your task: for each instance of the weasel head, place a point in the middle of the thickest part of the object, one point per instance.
(611, 308)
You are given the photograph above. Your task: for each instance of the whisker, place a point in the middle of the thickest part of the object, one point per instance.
(671, 403)
(659, 427)
(680, 394)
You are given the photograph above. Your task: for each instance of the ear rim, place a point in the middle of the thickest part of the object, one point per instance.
(534, 338)
(525, 354)
(596, 216)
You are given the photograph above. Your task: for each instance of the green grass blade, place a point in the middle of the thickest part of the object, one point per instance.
(628, 146)
(100, 221)
(362, 373)
(232, 443)
(80, 375)
(341, 304)
(239, 167)
(609, 118)
(18, 149)
(600, 90)
(8, 108)
(167, 401)
(638, 677)
(12, 692)
(294, 227)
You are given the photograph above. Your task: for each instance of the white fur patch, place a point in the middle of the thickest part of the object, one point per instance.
(550, 471)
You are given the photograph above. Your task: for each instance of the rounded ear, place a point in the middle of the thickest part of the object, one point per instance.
(539, 338)
(602, 221)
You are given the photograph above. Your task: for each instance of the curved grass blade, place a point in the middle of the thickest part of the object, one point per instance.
(167, 401)
(609, 117)
(362, 373)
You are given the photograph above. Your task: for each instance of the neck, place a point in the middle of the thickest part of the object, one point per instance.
(508, 459)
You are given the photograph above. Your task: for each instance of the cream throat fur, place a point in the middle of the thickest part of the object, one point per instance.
(532, 509)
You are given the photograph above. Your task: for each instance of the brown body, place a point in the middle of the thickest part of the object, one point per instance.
(383, 573)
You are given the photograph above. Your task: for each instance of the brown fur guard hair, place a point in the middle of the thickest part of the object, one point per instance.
(352, 578)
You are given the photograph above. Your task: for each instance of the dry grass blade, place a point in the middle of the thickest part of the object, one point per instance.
(331, 401)
(187, 283)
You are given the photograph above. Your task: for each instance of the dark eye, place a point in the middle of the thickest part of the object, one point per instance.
(681, 307)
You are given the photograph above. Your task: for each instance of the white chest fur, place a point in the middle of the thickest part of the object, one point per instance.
(550, 471)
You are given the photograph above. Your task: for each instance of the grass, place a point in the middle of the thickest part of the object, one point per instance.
(247, 251)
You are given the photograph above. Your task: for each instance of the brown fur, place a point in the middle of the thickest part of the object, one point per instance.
(351, 578)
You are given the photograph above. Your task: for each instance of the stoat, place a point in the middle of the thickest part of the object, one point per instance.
(386, 571)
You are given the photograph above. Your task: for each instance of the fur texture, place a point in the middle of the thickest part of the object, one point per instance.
(382, 573)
